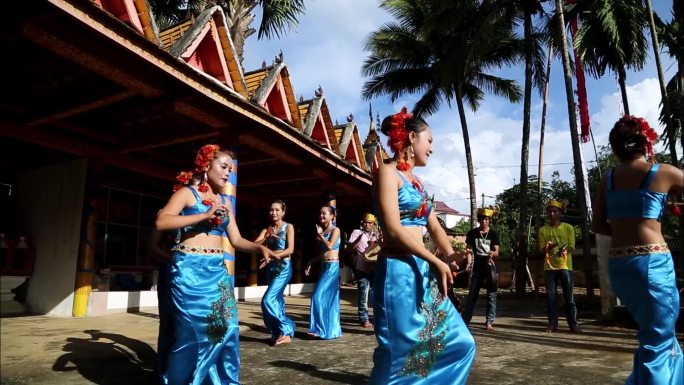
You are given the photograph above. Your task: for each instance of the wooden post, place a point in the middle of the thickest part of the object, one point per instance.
(231, 191)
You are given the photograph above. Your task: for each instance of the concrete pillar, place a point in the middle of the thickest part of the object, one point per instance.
(51, 199)
(608, 299)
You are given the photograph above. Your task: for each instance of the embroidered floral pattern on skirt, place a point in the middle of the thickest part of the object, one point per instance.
(424, 354)
(223, 309)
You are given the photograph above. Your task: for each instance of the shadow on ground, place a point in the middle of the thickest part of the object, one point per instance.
(108, 359)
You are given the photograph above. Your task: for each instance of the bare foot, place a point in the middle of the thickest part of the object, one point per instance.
(312, 334)
(549, 329)
(283, 340)
(367, 325)
(489, 327)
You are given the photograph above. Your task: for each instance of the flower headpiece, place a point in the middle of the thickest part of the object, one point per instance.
(203, 160)
(398, 135)
(648, 133)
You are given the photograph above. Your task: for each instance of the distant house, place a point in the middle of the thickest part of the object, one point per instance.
(449, 216)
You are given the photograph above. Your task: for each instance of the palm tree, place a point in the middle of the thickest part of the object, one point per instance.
(672, 35)
(574, 136)
(442, 50)
(534, 70)
(610, 37)
(277, 17)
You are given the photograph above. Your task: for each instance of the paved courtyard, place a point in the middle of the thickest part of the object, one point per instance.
(120, 349)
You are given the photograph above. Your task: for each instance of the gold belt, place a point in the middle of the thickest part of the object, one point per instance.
(652, 248)
(197, 249)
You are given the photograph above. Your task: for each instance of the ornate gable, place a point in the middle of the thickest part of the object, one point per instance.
(135, 13)
(350, 143)
(375, 154)
(270, 87)
(206, 46)
(316, 122)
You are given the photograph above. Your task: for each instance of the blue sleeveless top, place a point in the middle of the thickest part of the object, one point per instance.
(204, 226)
(280, 242)
(414, 203)
(635, 203)
(336, 246)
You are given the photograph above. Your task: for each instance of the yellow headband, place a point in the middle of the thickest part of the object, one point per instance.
(555, 203)
(369, 218)
(485, 212)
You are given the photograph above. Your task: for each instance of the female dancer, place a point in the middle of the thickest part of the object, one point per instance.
(628, 206)
(279, 237)
(421, 338)
(324, 321)
(206, 348)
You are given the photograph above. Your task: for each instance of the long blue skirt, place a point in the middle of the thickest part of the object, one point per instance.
(421, 338)
(206, 347)
(646, 285)
(324, 320)
(278, 274)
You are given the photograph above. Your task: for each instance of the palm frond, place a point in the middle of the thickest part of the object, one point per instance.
(279, 16)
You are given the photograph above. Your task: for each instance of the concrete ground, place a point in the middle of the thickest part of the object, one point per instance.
(120, 349)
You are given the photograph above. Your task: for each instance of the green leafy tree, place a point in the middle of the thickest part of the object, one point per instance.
(611, 36)
(443, 50)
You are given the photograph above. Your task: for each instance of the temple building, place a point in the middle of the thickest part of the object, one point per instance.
(101, 109)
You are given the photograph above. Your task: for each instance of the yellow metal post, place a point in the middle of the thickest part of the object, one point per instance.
(84, 272)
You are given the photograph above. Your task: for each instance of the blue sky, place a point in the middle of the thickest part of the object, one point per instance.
(327, 50)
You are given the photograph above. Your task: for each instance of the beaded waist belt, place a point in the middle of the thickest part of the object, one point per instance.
(652, 248)
(197, 249)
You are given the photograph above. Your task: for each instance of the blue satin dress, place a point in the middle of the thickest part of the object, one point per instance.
(643, 277)
(421, 337)
(278, 274)
(324, 319)
(206, 348)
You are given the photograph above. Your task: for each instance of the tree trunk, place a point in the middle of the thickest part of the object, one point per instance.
(623, 89)
(669, 127)
(521, 263)
(241, 18)
(576, 156)
(545, 104)
(469, 159)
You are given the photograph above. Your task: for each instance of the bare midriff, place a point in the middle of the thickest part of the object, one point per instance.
(635, 232)
(202, 240)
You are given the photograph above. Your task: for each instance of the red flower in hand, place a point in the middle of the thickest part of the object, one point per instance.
(207, 202)
(423, 210)
(676, 211)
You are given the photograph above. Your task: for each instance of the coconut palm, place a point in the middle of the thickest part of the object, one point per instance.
(611, 36)
(522, 11)
(277, 17)
(442, 50)
(558, 22)
(672, 39)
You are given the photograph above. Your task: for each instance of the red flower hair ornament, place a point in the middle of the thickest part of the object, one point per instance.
(203, 160)
(398, 135)
(648, 133)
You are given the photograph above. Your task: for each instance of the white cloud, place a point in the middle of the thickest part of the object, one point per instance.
(327, 49)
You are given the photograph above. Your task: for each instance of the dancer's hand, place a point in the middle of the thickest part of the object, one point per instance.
(267, 255)
(319, 229)
(444, 276)
(214, 208)
(307, 270)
